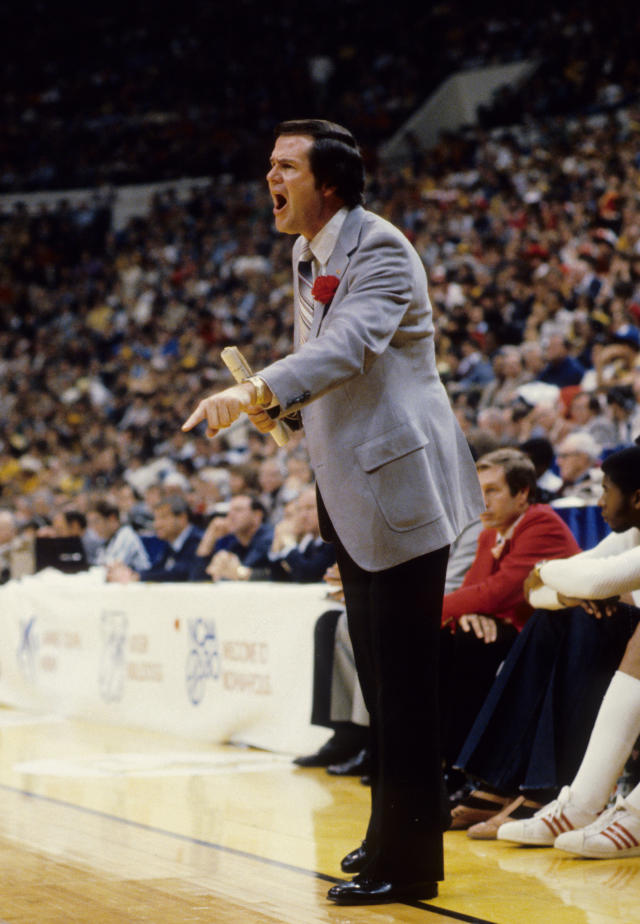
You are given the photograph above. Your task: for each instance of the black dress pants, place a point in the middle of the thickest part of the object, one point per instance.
(468, 667)
(394, 621)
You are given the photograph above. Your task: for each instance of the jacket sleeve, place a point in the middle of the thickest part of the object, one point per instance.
(308, 568)
(180, 571)
(298, 567)
(257, 555)
(184, 566)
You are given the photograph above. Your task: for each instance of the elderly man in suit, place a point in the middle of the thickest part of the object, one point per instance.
(396, 480)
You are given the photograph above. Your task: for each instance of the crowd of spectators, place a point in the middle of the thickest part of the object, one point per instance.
(127, 93)
(531, 240)
(530, 235)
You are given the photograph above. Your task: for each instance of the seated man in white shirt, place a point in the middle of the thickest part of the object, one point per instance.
(122, 542)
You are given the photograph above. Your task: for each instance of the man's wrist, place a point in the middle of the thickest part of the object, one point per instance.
(262, 391)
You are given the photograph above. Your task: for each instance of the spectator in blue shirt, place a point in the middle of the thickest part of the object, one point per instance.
(297, 552)
(562, 368)
(242, 534)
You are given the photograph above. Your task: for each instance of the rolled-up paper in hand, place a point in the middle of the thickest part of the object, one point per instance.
(241, 370)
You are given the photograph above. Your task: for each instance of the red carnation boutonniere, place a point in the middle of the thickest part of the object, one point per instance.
(324, 288)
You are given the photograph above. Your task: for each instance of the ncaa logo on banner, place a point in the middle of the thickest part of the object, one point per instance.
(203, 658)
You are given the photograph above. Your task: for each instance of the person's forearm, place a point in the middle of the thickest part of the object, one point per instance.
(593, 578)
(544, 598)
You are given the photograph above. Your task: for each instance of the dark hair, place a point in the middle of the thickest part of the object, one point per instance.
(623, 468)
(335, 158)
(257, 505)
(623, 396)
(519, 471)
(75, 516)
(254, 502)
(106, 510)
(540, 451)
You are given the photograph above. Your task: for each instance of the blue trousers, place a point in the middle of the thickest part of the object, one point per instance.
(533, 728)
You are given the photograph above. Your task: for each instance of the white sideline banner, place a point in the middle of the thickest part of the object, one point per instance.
(222, 662)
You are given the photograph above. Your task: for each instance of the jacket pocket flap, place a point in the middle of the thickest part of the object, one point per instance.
(389, 446)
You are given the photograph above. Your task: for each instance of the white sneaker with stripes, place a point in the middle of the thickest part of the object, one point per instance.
(548, 823)
(615, 833)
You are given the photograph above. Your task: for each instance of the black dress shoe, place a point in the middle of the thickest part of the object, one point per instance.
(355, 861)
(331, 752)
(357, 765)
(364, 891)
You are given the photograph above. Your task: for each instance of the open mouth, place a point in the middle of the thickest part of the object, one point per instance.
(279, 202)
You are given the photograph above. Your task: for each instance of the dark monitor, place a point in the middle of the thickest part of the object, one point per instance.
(66, 554)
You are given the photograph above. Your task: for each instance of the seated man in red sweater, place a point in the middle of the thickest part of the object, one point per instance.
(481, 619)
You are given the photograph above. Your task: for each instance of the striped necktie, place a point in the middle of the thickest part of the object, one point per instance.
(305, 284)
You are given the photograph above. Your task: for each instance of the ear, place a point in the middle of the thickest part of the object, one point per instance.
(328, 191)
(635, 499)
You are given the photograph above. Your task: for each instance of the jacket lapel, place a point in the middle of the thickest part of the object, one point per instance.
(347, 242)
(339, 260)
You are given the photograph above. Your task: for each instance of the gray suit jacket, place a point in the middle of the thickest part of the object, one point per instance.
(392, 465)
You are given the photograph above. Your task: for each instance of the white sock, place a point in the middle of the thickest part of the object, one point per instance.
(615, 732)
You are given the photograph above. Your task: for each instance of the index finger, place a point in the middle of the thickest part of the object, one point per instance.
(195, 418)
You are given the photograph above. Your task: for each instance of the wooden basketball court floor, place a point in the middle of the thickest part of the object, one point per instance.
(103, 825)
